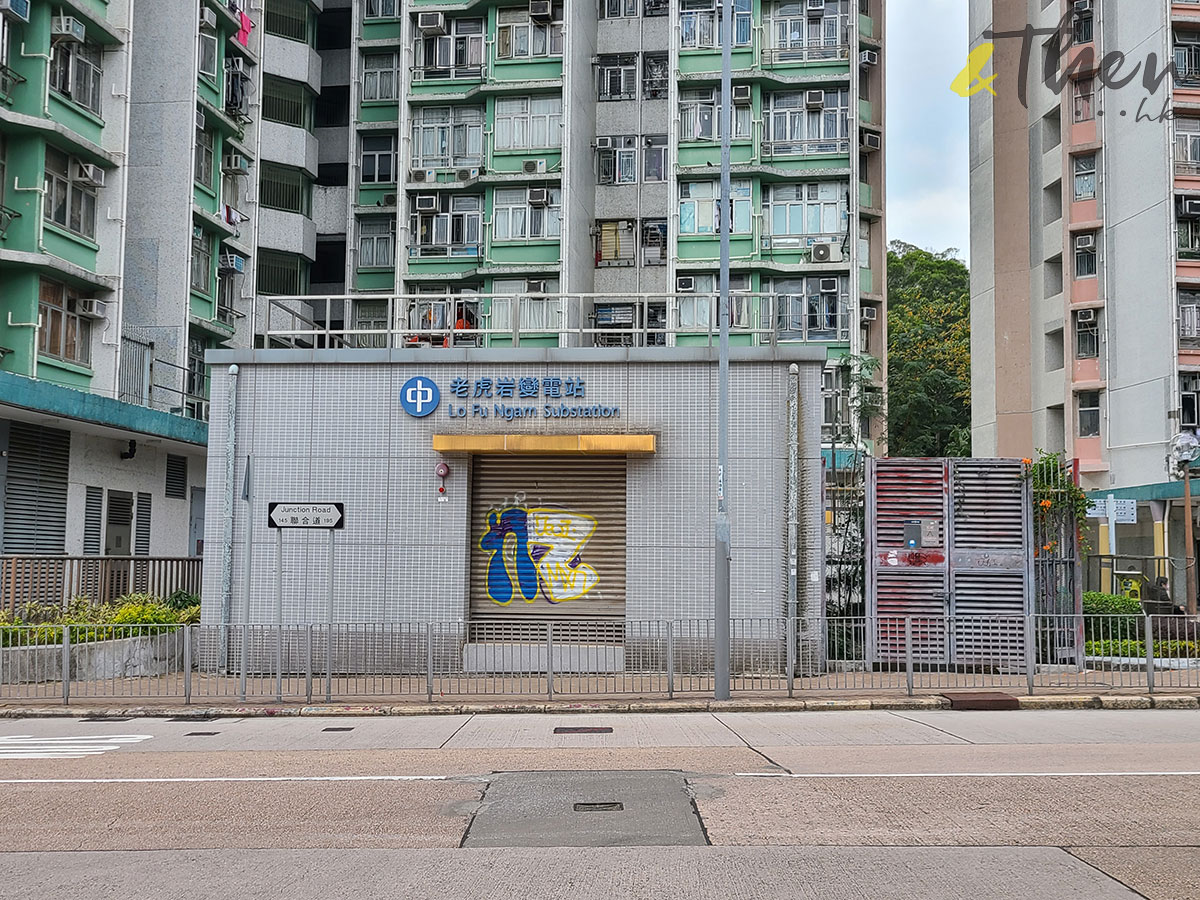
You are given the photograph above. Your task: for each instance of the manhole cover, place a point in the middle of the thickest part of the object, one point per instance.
(543, 809)
(583, 729)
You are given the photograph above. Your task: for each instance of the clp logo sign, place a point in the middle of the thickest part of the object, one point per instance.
(970, 80)
(420, 396)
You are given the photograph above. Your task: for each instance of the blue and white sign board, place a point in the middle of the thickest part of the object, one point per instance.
(1124, 511)
(505, 397)
(306, 515)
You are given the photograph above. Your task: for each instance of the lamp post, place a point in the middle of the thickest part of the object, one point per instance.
(1185, 448)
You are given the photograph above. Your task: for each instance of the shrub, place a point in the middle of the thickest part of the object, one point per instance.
(1137, 649)
(1097, 604)
(181, 600)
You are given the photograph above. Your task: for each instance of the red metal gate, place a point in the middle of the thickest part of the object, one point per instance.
(949, 548)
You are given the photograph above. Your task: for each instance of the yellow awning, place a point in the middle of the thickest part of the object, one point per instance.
(547, 444)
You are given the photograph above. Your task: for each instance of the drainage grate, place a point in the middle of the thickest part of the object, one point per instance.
(583, 729)
(340, 728)
(201, 733)
(612, 806)
(107, 719)
(981, 700)
(191, 719)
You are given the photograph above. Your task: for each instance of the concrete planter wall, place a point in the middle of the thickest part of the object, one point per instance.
(133, 657)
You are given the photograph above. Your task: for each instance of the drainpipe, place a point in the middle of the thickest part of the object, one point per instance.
(227, 513)
(46, 92)
(793, 487)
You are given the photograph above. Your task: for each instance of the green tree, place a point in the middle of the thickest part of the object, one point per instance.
(929, 353)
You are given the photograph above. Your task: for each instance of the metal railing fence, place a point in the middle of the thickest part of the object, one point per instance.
(656, 658)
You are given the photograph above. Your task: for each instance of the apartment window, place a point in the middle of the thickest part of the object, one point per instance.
(515, 218)
(448, 136)
(655, 76)
(332, 107)
(381, 9)
(378, 160)
(797, 124)
(699, 207)
(458, 54)
(813, 307)
(377, 243)
(616, 243)
(197, 373)
(654, 158)
(656, 7)
(618, 9)
(291, 19)
(654, 242)
(617, 77)
(520, 37)
(807, 209)
(287, 102)
(1088, 405)
(76, 72)
(1087, 334)
(864, 242)
(1187, 58)
(537, 313)
(1081, 30)
(381, 76)
(697, 312)
(285, 188)
(202, 258)
(1085, 254)
(835, 395)
(618, 164)
(1083, 99)
(204, 174)
(1188, 232)
(699, 116)
(1187, 145)
(1085, 176)
(1189, 315)
(700, 24)
(64, 333)
(207, 55)
(335, 31)
(282, 273)
(524, 123)
(795, 34)
(453, 227)
(70, 201)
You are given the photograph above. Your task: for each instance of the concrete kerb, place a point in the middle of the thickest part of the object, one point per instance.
(1156, 701)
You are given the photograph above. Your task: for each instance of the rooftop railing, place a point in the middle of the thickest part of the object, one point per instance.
(565, 320)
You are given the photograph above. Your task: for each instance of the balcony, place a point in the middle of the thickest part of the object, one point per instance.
(7, 216)
(8, 82)
(835, 51)
(565, 320)
(819, 147)
(1189, 325)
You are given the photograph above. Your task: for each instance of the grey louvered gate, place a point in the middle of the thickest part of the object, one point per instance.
(968, 586)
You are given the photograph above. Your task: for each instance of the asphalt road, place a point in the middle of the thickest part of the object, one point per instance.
(931, 805)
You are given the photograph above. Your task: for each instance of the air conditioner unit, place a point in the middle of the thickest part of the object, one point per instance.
(869, 313)
(539, 197)
(741, 93)
(823, 253)
(1082, 7)
(422, 176)
(388, 200)
(868, 58)
(870, 141)
(766, 242)
(431, 23)
(15, 9)
(67, 28)
(467, 174)
(1085, 316)
(604, 143)
(426, 203)
(235, 164)
(235, 65)
(1085, 242)
(208, 19)
(535, 286)
(814, 99)
(231, 263)
(201, 122)
(816, 7)
(685, 284)
(90, 175)
(91, 308)
(534, 167)
(1191, 207)
(541, 9)
(829, 285)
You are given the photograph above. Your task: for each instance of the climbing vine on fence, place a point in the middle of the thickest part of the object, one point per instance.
(1060, 506)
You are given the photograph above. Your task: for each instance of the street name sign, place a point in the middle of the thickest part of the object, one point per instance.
(306, 515)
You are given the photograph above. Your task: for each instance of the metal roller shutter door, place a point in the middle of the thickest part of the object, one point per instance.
(571, 514)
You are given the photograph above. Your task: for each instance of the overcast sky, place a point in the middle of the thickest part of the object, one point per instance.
(927, 124)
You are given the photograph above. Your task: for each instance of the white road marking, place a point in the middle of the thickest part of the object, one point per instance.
(231, 778)
(26, 746)
(966, 774)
